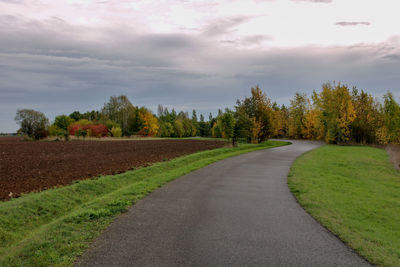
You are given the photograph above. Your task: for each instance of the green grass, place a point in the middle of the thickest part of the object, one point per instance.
(54, 227)
(353, 191)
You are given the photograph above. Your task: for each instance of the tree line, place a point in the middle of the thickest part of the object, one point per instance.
(335, 114)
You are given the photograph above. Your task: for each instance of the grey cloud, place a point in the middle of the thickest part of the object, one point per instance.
(353, 23)
(256, 39)
(13, 1)
(58, 68)
(225, 25)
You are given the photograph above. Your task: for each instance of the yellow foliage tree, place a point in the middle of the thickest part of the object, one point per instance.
(310, 123)
(255, 130)
(150, 124)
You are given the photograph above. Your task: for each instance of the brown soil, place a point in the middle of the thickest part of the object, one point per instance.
(35, 166)
(394, 154)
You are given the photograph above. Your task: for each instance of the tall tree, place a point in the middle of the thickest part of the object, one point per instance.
(365, 125)
(257, 106)
(119, 109)
(336, 106)
(297, 111)
(391, 111)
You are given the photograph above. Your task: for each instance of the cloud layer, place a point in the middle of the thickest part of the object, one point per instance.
(57, 66)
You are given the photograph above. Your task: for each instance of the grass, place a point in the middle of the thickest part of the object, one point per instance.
(353, 191)
(54, 227)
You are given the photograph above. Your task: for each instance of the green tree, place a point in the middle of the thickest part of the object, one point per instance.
(120, 110)
(63, 121)
(33, 123)
(227, 125)
(297, 111)
(391, 110)
(76, 115)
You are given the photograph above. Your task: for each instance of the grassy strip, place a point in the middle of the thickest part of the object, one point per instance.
(55, 226)
(355, 193)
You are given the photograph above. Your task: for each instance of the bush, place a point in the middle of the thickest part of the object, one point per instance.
(99, 130)
(54, 130)
(116, 131)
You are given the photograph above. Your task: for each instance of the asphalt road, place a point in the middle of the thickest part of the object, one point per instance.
(236, 212)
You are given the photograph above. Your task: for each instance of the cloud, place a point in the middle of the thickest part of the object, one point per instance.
(352, 23)
(58, 68)
(13, 1)
(225, 25)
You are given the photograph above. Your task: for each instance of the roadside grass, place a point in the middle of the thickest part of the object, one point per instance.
(353, 191)
(54, 227)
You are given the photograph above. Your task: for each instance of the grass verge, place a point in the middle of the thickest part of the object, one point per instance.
(353, 191)
(54, 227)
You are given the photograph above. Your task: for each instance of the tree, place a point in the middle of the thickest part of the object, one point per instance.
(337, 112)
(259, 107)
(391, 110)
(227, 125)
(178, 129)
(166, 129)
(280, 118)
(76, 115)
(204, 127)
(33, 123)
(150, 124)
(63, 121)
(310, 129)
(297, 111)
(365, 125)
(119, 109)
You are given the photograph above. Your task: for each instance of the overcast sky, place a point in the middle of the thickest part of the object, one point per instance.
(61, 56)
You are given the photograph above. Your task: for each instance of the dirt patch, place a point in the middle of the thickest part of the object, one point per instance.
(394, 154)
(36, 166)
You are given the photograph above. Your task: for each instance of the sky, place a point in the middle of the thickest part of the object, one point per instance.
(61, 56)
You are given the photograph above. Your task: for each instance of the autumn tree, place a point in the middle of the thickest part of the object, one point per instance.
(150, 125)
(310, 125)
(366, 123)
(280, 119)
(337, 111)
(259, 107)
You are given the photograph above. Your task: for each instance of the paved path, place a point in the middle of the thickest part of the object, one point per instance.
(238, 211)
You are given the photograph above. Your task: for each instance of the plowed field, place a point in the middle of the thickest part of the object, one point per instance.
(35, 166)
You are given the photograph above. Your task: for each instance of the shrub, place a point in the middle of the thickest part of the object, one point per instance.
(99, 130)
(54, 130)
(116, 131)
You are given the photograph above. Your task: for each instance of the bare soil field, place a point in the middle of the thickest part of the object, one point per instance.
(35, 166)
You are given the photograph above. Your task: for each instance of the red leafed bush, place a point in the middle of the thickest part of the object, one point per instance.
(95, 130)
(73, 128)
(99, 130)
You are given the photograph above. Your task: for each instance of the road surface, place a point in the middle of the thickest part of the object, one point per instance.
(236, 212)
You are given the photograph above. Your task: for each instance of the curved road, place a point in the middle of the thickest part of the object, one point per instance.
(238, 211)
